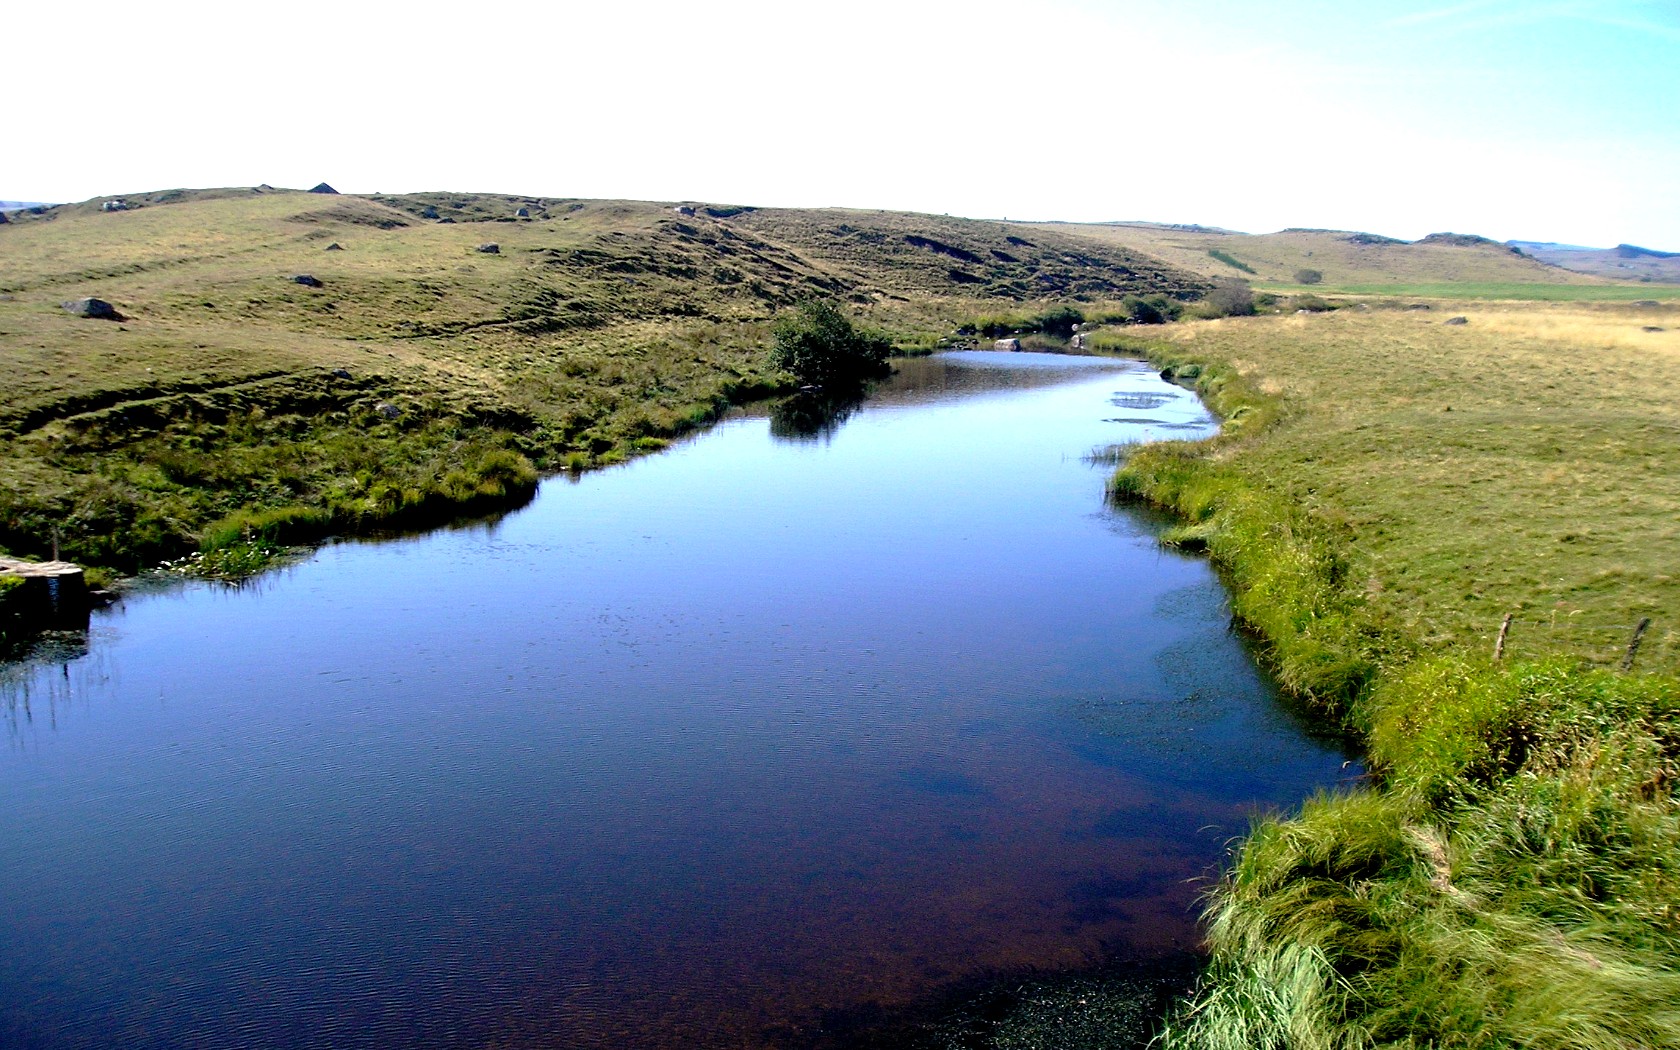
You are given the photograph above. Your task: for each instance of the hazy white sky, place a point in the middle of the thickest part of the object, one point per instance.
(1546, 121)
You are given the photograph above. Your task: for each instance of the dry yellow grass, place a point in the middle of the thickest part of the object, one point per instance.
(1523, 462)
(1343, 260)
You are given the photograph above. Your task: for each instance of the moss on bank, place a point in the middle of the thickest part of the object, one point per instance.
(1510, 874)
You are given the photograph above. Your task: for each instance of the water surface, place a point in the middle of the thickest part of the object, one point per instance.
(687, 753)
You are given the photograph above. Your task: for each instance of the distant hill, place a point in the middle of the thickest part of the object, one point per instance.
(1625, 262)
(1344, 258)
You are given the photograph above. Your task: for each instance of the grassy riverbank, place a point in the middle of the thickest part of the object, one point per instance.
(1386, 489)
(439, 352)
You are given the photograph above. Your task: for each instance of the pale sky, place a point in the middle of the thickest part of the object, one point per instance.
(1532, 120)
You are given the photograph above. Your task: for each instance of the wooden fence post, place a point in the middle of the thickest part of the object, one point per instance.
(1633, 646)
(1499, 643)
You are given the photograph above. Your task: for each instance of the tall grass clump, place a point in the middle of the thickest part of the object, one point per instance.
(1517, 887)
(273, 525)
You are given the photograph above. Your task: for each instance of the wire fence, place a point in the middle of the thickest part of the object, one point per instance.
(1568, 632)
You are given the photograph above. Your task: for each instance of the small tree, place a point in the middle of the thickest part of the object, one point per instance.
(1229, 298)
(1149, 309)
(1059, 320)
(819, 345)
(1308, 277)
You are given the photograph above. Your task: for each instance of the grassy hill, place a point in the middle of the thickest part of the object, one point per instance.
(415, 373)
(1353, 262)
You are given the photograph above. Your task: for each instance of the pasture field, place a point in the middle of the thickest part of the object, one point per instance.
(1521, 462)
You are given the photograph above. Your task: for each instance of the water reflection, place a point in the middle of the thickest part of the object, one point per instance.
(813, 415)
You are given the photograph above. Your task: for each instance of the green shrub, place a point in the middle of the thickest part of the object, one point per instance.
(1230, 260)
(1308, 276)
(819, 346)
(1150, 309)
(9, 587)
(1058, 321)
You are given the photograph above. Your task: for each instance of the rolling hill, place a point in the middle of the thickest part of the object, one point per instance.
(301, 353)
(1351, 261)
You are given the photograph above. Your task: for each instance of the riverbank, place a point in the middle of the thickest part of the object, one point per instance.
(1386, 489)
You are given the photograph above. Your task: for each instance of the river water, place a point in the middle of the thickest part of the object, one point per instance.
(784, 722)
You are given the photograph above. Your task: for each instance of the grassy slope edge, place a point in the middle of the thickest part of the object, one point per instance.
(1510, 874)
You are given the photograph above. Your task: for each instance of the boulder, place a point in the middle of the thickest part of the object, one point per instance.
(683, 209)
(340, 373)
(95, 308)
(335, 247)
(1077, 342)
(307, 280)
(428, 212)
(321, 187)
(3, 219)
(522, 213)
(489, 249)
(1007, 344)
(1653, 328)
(387, 410)
(1458, 320)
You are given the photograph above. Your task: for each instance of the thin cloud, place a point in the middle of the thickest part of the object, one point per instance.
(1480, 15)
(1444, 14)
(1669, 30)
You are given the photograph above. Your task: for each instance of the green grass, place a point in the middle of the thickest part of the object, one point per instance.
(1386, 487)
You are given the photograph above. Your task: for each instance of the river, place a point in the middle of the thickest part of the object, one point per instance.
(785, 723)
